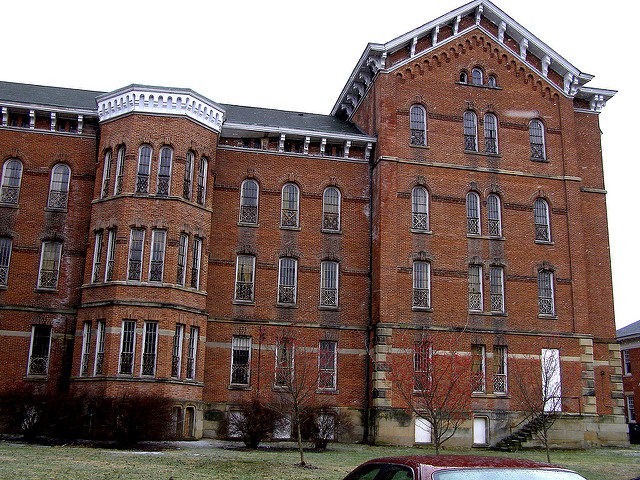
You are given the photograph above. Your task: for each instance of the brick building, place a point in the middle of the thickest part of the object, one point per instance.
(629, 338)
(154, 241)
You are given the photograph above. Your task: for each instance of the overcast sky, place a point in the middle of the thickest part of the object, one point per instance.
(298, 55)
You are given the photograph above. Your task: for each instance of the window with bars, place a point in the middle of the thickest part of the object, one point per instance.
(421, 366)
(631, 409)
(136, 246)
(490, 133)
(475, 288)
(418, 124)
(195, 264)
(117, 187)
(144, 167)
(49, 265)
(98, 364)
(289, 216)
(284, 363)
(156, 260)
(546, 304)
(201, 192)
(494, 222)
(536, 139)
(249, 202)
(111, 255)
(188, 175)
(329, 284)
(39, 350)
(245, 268)
(176, 352)
(183, 245)
(496, 280)
(240, 360)
(191, 353)
(420, 209)
(327, 362)
(149, 349)
(478, 368)
(499, 369)
(287, 278)
(473, 213)
(470, 124)
(97, 258)
(106, 174)
(331, 209)
(127, 347)
(59, 187)
(421, 284)
(5, 260)
(541, 220)
(85, 355)
(11, 178)
(164, 172)
(626, 362)
(476, 76)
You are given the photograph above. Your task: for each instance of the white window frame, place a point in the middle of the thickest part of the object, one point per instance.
(483, 367)
(284, 342)
(626, 362)
(547, 219)
(236, 345)
(331, 371)
(492, 269)
(119, 180)
(86, 349)
(158, 176)
(416, 207)
(502, 352)
(192, 352)
(473, 78)
(141, 253)
(415, 123)
(324, 265)
(4, 183)
(471, 115)
(100, 338)
(422, 364)
(489, 119)
(145, 332)
(253, 278)
(142, 174)
(97, 257)
(58, 260)
(490, 214)
(133, 348)
(479, 286)
(418, 284)
(202, 182)
(176, 351)
(196, 264)
(189, 167)
(63, 190)
(295, 280)
(48, 358)
(106, 174)
(242, 217)
(553, 294)
(631, 409)
(296, 210)
(473, 196)
(109, 263)
(5, 261)
(531, 143)
(183, 251)
(152, 251)
(325, 220)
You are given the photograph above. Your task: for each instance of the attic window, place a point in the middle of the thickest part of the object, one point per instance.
(476, 76)
(491, 81)
(464, 78)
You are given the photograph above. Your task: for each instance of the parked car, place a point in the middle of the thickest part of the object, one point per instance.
(458, 467)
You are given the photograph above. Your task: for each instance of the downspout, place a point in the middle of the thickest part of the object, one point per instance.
(367, 406)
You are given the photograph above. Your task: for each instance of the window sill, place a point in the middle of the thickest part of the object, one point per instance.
(251, 225)
(483, 154)
(45, 290)
(540, 160)
(486, 237)
(9, 205)
(246, 303)
(3, 287)
(424, 147)
(489, 395)
(327, 391)
(498, 314)
(422, 232)
(283, 227)
(543, 242)
(466, 84)
(334, 232)
(548, 317)
(330, 308)
(58, 210)
(415, 308)
(286, 305)
(237, 386)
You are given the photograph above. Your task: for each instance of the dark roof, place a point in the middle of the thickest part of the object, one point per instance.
(51, 96)
(268, 117)
(632, 329)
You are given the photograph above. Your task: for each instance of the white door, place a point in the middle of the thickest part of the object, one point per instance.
(422, 431)
(480, 430)
(551, 383)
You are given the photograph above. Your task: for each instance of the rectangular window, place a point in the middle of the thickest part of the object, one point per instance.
(149, 350)
(156, 261)
(421, 365)
(39, 350)
(49, 265)
(191, 353)
(117, 189)
(188, 176)
(626, 362)
(475, 288)
(287, 277)
(327, 361)
(195, 266)
(546, 304)
(106, 174)
(97, 258)
(182, 259)
(499, 369)
(5, 259)
(127, 346)
(284, 363)
(478, 368)
(136, 246)
(631, 409)
(86, 347)
(176, 357)
(99, 361)
(421, 284)
(111, 255)
(329, 284)
(240, 360)
(202, 182)
(245, 266)
(497, 289)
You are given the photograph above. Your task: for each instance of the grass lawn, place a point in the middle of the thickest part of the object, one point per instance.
(217, 461)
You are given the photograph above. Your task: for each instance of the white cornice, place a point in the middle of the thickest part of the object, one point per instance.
(161, 101)
(50, 108)
(294, 131)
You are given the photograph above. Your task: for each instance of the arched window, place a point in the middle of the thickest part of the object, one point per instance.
(493, 215)
(202, 182)
(188, 175)
(289, 212)
(546, 303)
(418, 118)
(11, 177)
(144, 166)
(421, 284)
(491, 81)
(117, 188)
(490, 133)
(541, 220)
(470, 131)
(106, 174)
(420, 209)
(164, 171)
(464, 78)
(473, 213)
(249, 202)
(331, 209)
(536, 138)
(476, 76)
(59, 187)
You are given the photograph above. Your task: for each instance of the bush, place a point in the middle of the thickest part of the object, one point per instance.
(322, 424)
(252, 422)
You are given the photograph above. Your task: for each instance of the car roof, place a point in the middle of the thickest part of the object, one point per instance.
(468, 461)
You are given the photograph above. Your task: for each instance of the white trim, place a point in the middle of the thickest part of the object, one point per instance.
(295, 131)
(33, 330)
(253, 278)
(180, 327)
(111, 246)
(165, 147)
(143, 346)
(97, 248)
(100, 343)
(339, 206)
(197, 260)
(233, 338)
(295, 279)
(86, 346)
(324, 264)
(49, 108)
(58, 257)
(141, 252)
(244, 182)
(190, 154)
(154, 233)
(184, 236)
(119, 166)
(106, 172)
(133, 349)
(297, 192)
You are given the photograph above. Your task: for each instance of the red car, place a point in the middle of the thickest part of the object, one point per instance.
(458, 467)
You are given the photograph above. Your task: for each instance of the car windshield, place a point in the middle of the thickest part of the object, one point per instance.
(505, 474)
